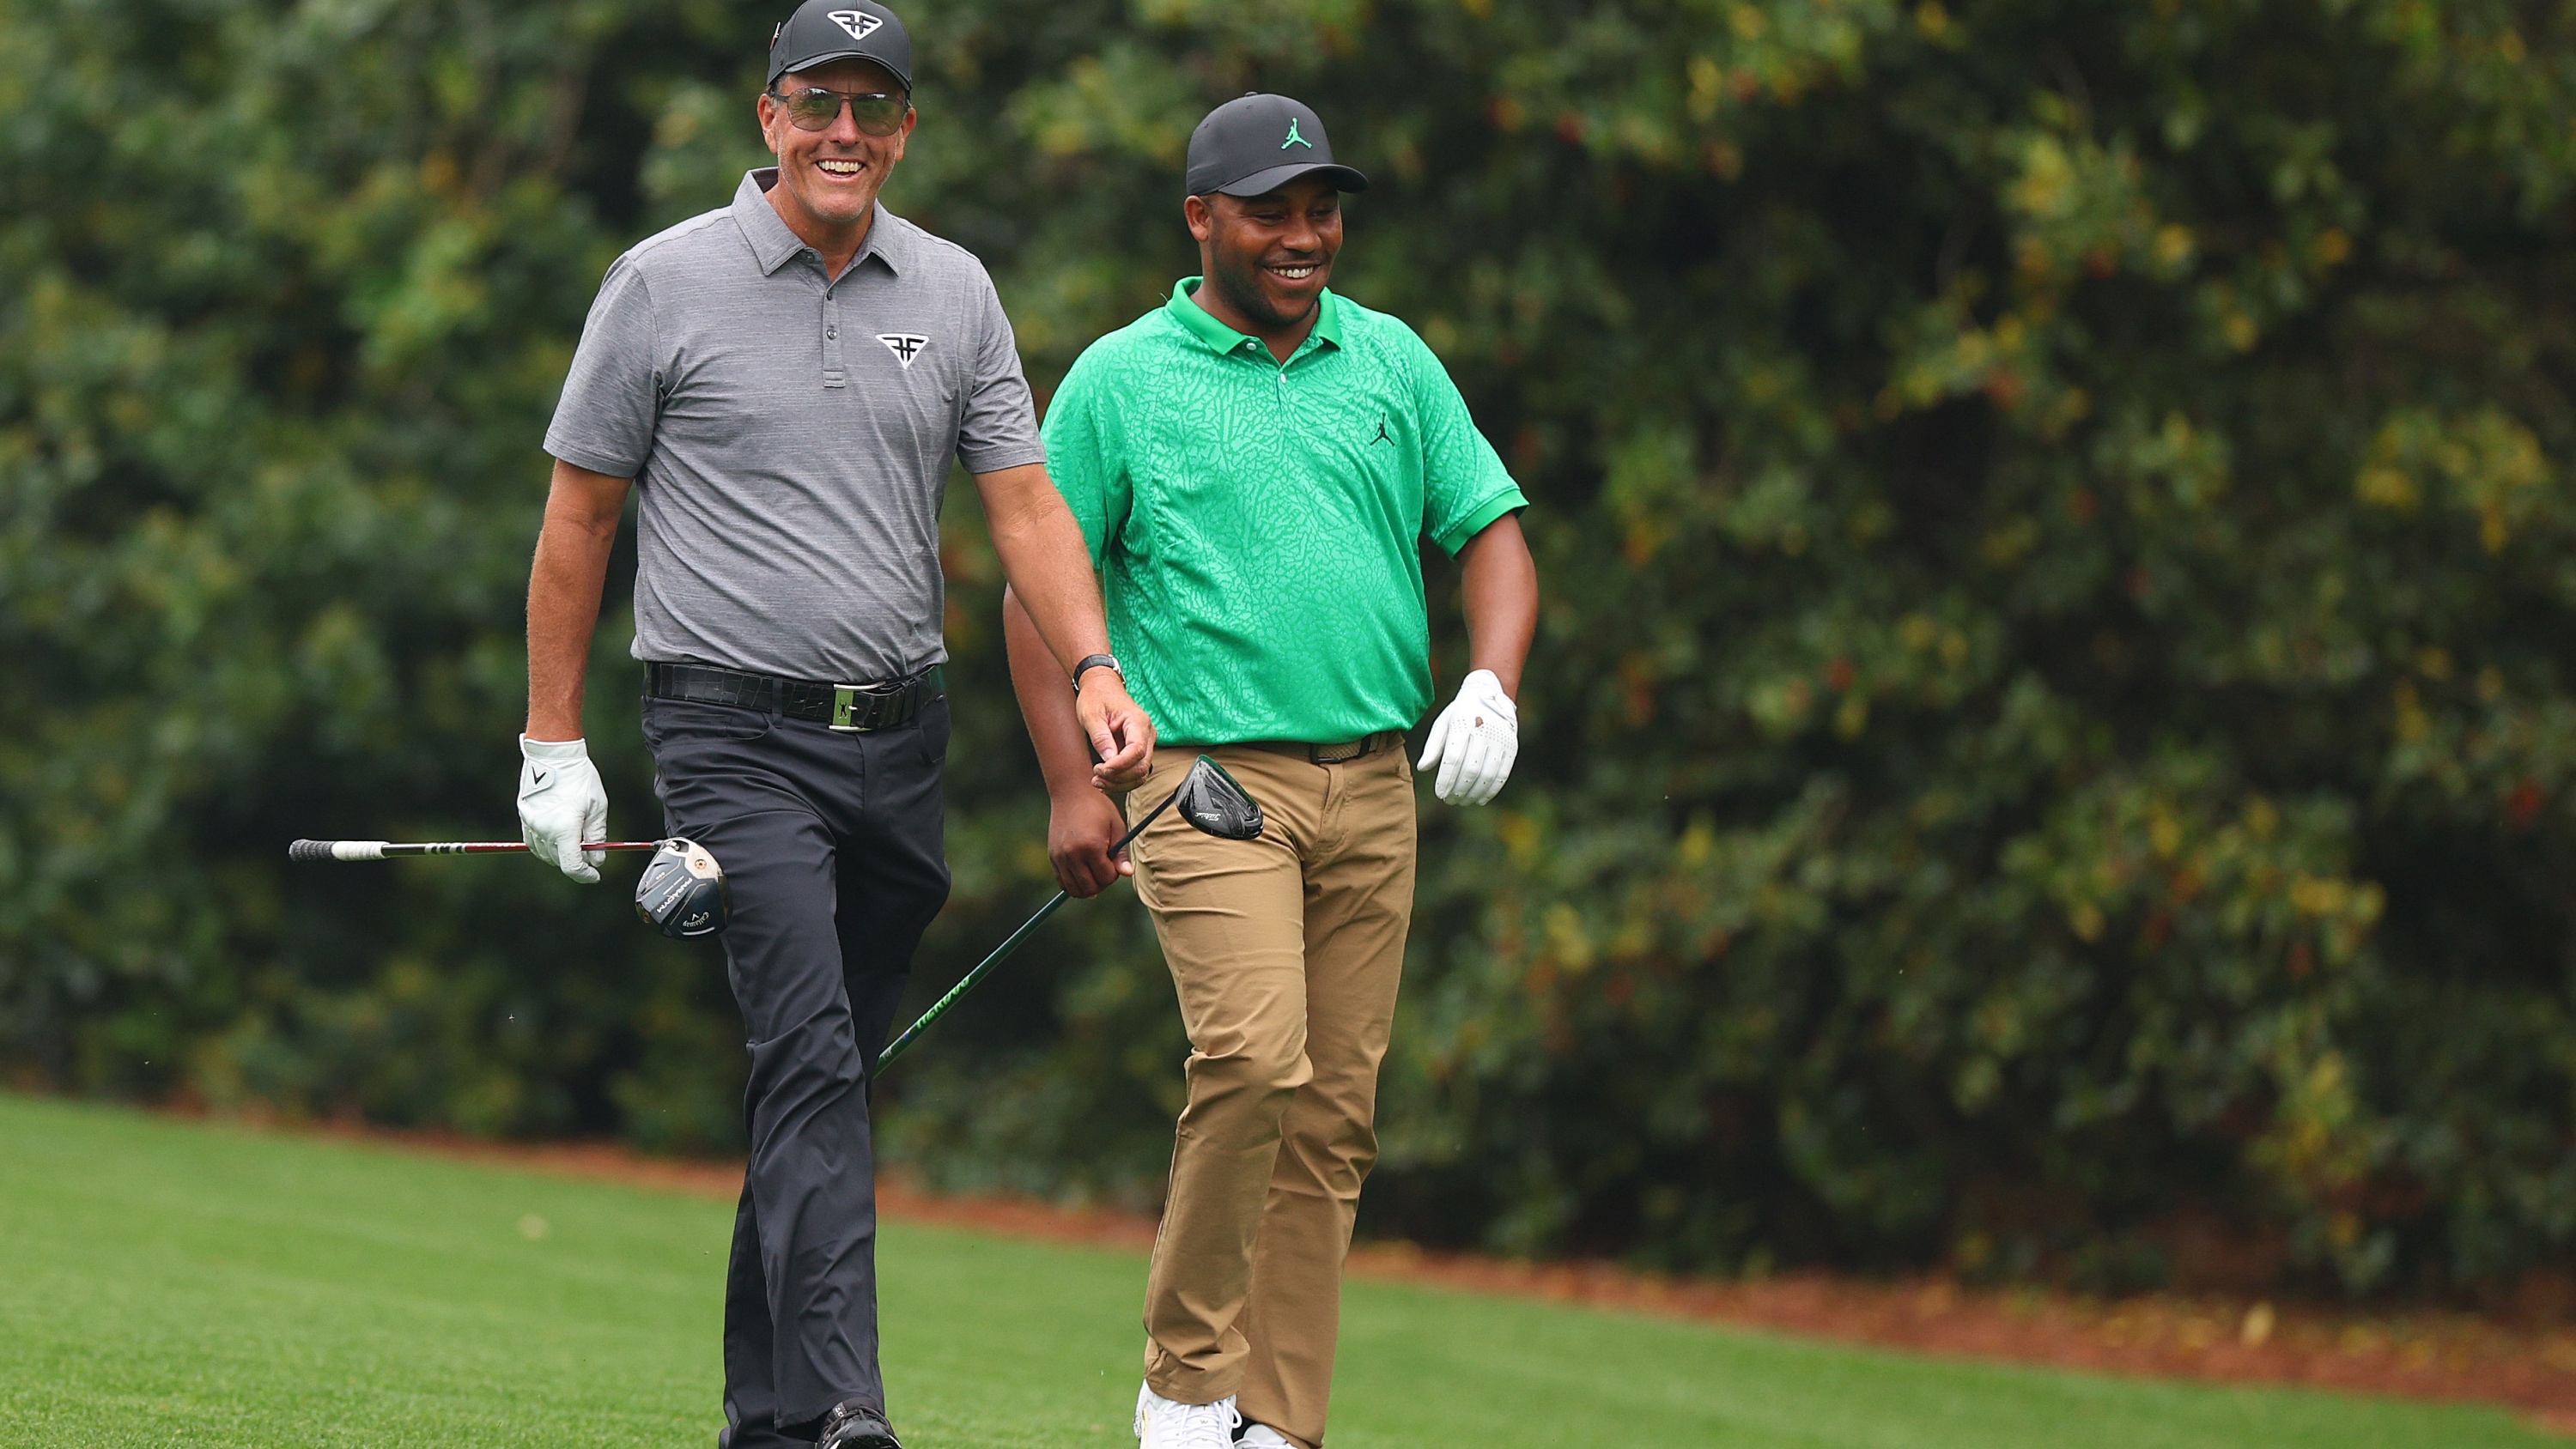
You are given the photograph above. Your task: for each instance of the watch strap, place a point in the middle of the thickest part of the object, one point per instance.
(1095, 661)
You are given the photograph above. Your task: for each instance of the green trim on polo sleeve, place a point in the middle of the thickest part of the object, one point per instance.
(1477, 522)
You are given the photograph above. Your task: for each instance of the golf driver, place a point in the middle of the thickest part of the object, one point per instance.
(683, 894)
(1209, 798)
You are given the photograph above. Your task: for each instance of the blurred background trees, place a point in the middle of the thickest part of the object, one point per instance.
(2053, 743)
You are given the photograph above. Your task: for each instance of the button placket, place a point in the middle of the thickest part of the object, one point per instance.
(833, 373)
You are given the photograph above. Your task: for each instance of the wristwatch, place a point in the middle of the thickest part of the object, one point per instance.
(1096, 661)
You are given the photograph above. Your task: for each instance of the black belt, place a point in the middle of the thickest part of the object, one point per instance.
(850, 708)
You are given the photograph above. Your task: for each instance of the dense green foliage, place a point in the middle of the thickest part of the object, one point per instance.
(174, 1284)
(2052, 742)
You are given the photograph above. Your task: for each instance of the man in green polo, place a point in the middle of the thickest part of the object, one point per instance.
(1255, 466)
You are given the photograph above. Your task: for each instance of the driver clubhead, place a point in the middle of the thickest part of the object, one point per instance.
(1210, 799)
(684, 893)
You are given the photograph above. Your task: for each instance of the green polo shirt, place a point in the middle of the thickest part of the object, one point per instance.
(1258, 526)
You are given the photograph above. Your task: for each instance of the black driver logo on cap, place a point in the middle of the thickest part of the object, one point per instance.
(1294, 139)
(905, 345)
(860, 24)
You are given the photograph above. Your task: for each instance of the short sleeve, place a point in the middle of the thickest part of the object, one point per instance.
(1000, 427)
(1083, 454)
(612, 395)
(1465, 485)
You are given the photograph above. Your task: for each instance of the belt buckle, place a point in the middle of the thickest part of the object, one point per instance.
(848, 718)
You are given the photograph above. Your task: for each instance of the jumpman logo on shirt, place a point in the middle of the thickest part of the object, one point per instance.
(1381, 433)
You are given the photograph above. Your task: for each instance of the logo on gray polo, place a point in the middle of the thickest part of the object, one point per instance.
(859, 23)
(906, 345)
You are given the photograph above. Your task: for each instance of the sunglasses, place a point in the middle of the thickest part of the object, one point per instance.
(815, 109)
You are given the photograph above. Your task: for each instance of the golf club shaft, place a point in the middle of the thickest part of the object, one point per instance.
(940, 1007)
(386, 850)
(983, 968)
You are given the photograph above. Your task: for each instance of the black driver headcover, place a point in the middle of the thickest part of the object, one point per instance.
(1211, 800)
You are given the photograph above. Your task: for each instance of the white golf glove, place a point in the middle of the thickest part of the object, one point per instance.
(562, 805)
(1474, 741)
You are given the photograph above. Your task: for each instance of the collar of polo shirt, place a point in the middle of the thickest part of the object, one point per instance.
(773, 244)
(1199, 323)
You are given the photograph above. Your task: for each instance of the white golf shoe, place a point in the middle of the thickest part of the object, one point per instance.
(1262, 1436)
(1163, 1424)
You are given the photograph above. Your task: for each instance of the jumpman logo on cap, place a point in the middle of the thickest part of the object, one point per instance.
(1294, 139)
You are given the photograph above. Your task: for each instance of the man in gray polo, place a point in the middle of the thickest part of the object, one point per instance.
(787, 380)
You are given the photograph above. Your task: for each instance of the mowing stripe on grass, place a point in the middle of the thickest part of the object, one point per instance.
(173, 1284)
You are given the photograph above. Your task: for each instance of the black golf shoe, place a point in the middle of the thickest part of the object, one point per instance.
(856, 1425)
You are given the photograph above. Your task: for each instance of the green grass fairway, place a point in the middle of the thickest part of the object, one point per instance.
(165, 1284)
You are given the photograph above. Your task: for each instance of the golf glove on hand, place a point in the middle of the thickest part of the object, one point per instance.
(1474, 741)
(562, 805)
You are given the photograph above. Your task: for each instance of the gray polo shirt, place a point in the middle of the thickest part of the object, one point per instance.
(790, 435)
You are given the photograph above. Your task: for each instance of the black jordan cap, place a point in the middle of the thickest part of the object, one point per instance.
(828, 30)
(1258, 143)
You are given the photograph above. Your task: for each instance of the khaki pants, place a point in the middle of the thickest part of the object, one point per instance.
(1286, 951)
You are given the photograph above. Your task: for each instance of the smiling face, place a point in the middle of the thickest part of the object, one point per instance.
(832, 176)
(1269, 256)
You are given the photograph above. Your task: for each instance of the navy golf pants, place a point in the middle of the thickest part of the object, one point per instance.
(832, 845)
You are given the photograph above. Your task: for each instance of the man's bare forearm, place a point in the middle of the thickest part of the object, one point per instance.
(564, 582)
(1500, 585)
(1064, 752)
(1046, 561)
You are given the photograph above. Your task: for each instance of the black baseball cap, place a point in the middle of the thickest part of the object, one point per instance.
(1257, 143)
(824, 30)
